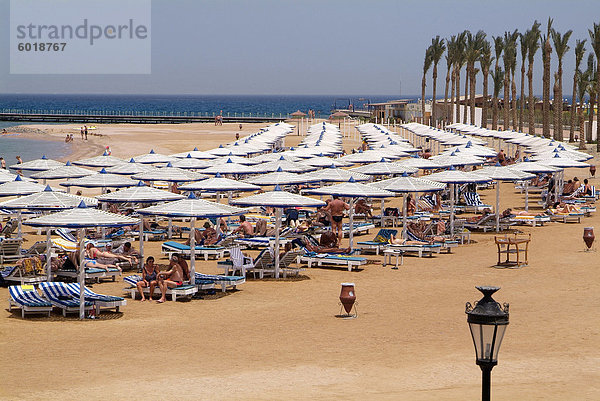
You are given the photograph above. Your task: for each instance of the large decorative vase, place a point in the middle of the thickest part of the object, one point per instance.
(347, 296)
(588, 236)
(593, 170)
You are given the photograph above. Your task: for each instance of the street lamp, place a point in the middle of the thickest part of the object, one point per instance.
(487, 321)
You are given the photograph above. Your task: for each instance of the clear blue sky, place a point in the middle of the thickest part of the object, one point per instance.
(304, 47)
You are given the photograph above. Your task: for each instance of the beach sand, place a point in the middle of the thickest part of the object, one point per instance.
(281, 340)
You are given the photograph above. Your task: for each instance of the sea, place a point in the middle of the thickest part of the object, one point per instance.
(29, 149)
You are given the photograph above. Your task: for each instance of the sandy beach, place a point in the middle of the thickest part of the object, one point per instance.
(281, 340)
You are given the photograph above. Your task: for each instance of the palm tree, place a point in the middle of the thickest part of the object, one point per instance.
(582, 88)
(451, 45)
(473, 52)
(498, 49)
(485, 62)
(459, 61)
(510, 56)
(556, 93)
(426, 66)
(498, 78)
(561, 46)
(534, 34)
(524, 49)
(546, 54)
(595, 42)
(438, 47)
(591, 74)
(579, 53)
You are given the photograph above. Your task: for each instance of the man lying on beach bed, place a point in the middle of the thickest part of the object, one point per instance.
(328, 248)
(174, 277)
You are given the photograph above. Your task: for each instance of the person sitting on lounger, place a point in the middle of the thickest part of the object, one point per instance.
(327, 248)
(206, 237)
(245, 229)
(149, 278)
(587, 188)
(361, 207)
(174, 277)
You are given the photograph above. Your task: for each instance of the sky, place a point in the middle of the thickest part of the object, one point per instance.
(302, 47)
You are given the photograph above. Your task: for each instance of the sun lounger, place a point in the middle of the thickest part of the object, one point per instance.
(359, 228)
(31, 271)
(378, 243)
(62, 299)
(218, 280)
(171, 247)
(27, 299)
(488, 223)
(419, 249)
(474, 203)
(239, 262)
(91, 273)
(573, 217)
(99, 300)
(533, 221)
(10, 250)
(321, 259)
(259, 242)
(185, 290)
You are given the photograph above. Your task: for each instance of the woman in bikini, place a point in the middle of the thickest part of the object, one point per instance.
(149, 278)
(92, 254)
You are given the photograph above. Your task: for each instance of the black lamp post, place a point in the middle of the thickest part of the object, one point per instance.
(487, 321)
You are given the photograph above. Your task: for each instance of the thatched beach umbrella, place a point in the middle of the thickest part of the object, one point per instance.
(41, 164)
(104, 160)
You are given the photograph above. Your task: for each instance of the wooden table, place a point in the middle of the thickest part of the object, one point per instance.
(513, 245)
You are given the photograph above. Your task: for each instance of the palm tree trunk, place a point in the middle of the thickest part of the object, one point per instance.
(559, 105)
(484, 109)
(506, 101)
(546, 89)
(588, 137)
(457, 98)
(555, 108)
(472, 94)
(453, 95)
(581, 126)
(522, 97)
(423, 82)
(446, 96)
(495, 113)
(513, 87)
(465, 103)
(573, 109)
(598, 98)
(530, 102)
(433, 114)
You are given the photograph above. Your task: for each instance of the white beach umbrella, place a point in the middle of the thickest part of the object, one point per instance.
(352, 190)
(223, 151)
(269, 157)
(279, 200)
(454, 177)
(230, 167)
(284, 165)
(500, 173)
(384, 167)
(192, 163)
(104, 160)
(323, 161)
(248, 161)
(130, 168)
(473, 150)
(457, 159)
(563, 162)
(18, 186)
(65, 171)
(405, 185)
(79, 218)
(5, 176)
(41, 164)
(219, 184)
(170, 174)
(335, 174)
(193, 208)
(370, 156)
(279, 178)
(424, 164)
(101, 180)
(196, 154)
(152, 158)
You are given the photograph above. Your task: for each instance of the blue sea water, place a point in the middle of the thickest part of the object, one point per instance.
(29, 149)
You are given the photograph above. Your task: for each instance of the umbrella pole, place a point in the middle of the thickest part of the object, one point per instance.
(498, 206)
(278, 213)
(351, 234)
(192, 251)
(141, 241)
(48, 254)
(452, 209)
(526, 195)
(382, 209)
(404, 213)
(19, 221)
(81, 240)
(170, 228)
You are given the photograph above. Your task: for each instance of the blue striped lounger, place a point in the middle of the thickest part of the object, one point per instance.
(181, 291)
(171, 247)
(28, 300)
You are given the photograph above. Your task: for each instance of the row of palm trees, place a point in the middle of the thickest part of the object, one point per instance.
(469, 51)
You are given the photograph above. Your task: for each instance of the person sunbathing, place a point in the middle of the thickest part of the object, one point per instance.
(328, 248)
(245, 229)
(206, 237)
(403, 241)
(563, 208)
(149, 278)
(361, 207)
(174, 277)
(92, 254)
